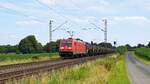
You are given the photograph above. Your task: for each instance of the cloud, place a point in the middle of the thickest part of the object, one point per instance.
(141, 18)
(120, 7)
(63, 4)
(100, 9)
(11, 6)
(7, 5)
(48, 2)
(103, 6)
(29, 22)
(138, 20)
(14, 9)
(82, 19)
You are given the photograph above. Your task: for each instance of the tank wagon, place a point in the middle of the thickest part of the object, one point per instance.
(72, 48)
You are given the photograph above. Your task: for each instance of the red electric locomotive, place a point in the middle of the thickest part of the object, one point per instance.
(70, 48)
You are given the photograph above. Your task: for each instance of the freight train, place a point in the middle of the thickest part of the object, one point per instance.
(72, 48)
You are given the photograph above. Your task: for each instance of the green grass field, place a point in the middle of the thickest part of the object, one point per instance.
(119, 73)
(23, 58)
(143, 54)
(110, 70)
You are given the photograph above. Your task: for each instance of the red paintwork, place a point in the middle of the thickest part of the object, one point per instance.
(72, 45)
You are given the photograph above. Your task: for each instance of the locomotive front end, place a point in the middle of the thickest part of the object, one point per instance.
(65, 48)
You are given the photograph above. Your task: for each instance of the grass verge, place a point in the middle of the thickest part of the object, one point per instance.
(140, 58)
(119, 73)
(143, 55)
(109, 70)
(143, 52)
(6, 59)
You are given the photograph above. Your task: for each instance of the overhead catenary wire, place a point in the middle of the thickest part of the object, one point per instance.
(21, 13)
(97, 26)
(64, 16)
(104, 30)
(76, 5)
(59, 26)
(53, 30)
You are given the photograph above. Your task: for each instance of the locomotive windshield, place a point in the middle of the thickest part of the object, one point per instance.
(66, 43)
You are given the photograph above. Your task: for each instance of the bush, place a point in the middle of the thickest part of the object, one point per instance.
(122, 50)
(143, 52)
(30, 45)
(35, 57)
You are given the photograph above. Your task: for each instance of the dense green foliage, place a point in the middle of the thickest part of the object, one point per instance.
(119, 73)
(51, 47)
(105, 45)
(143, 52)
(121, 50)
(128, 47)
(8, 49)
(148, 45)
(140, 46)
(30, 45)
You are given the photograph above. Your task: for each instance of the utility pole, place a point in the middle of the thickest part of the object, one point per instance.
(50, 31)
(105, 30)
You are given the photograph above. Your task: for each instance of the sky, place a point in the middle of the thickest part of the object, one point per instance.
(128, 20)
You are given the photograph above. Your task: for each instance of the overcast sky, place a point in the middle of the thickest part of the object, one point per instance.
(128, 20)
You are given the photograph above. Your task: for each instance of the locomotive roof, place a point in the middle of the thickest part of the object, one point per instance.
(79, 40)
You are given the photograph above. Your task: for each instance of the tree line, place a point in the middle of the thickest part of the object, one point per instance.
(129, 47)
(30, 45)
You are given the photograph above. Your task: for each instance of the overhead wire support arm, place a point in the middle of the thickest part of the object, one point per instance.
(51, 31)
(97, 27)
(104, 30)
(59, 26)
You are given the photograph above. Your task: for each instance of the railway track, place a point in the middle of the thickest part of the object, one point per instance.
(18, 71)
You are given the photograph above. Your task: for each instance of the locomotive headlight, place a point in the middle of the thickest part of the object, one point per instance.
(61, 47)
(69, 47)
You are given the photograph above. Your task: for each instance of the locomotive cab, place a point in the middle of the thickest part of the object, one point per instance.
(66, 45)
(70, 48)
(65, 49)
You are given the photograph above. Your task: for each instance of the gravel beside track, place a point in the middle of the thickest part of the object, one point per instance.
(18, 71)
